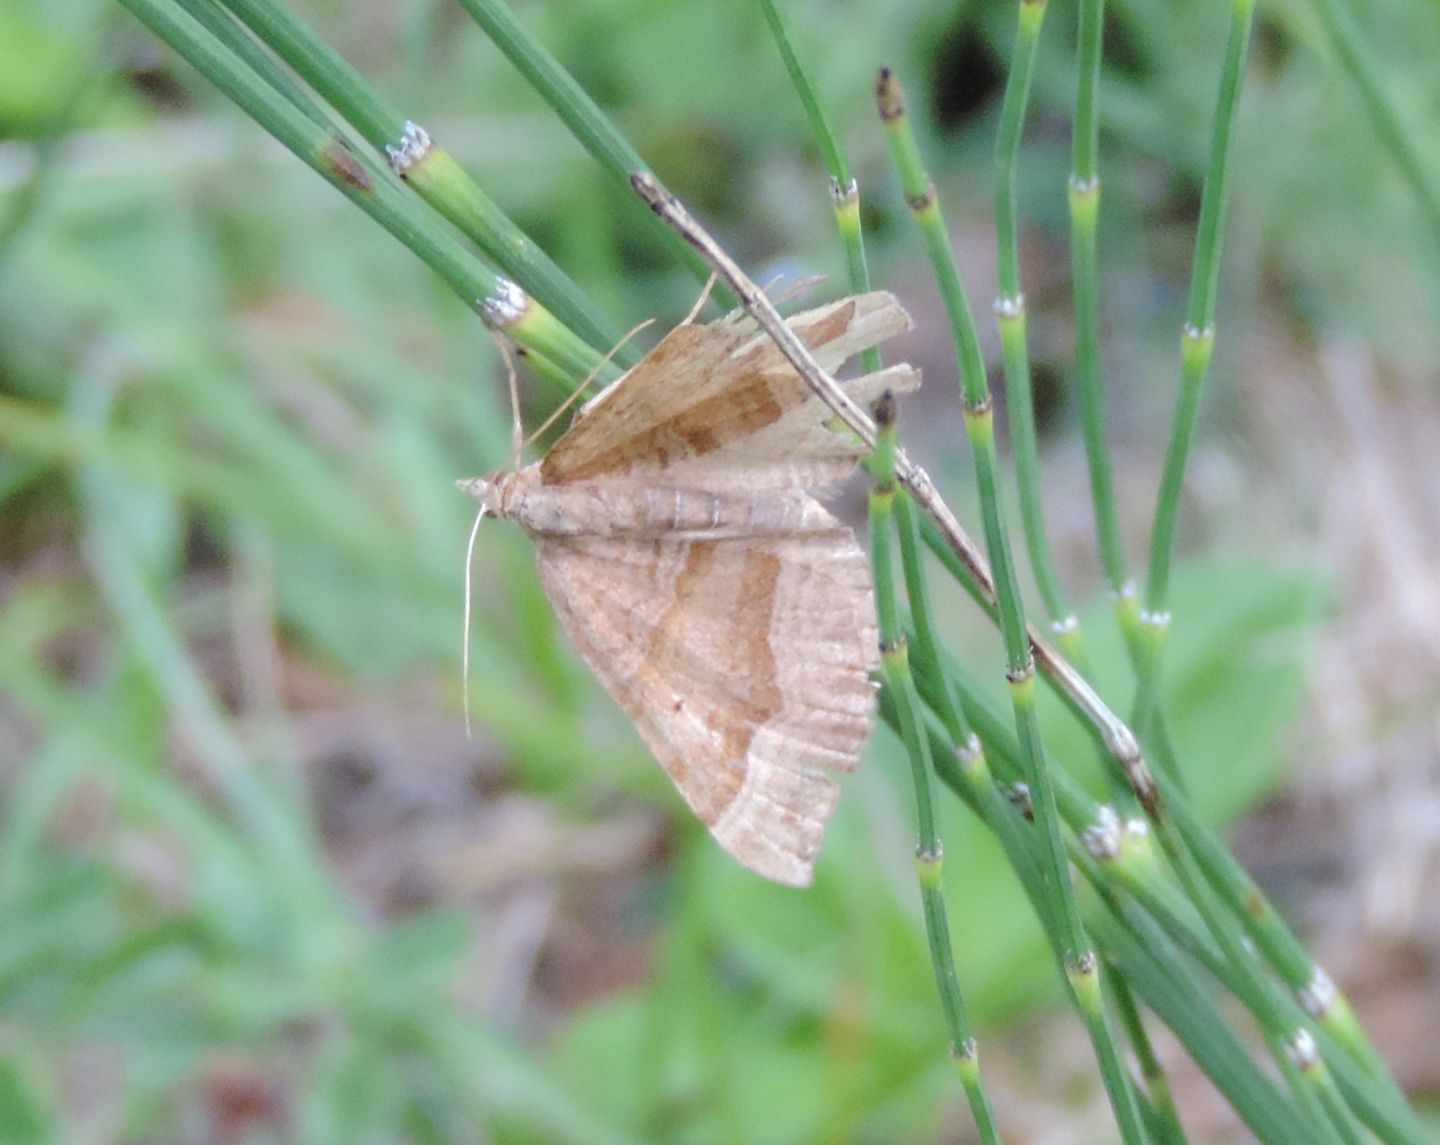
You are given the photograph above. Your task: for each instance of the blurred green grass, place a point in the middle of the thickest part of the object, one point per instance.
(231, 418)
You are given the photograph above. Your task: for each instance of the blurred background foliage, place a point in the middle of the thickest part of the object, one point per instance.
(255, 882)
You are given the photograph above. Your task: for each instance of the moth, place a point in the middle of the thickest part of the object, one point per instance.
(683, 544)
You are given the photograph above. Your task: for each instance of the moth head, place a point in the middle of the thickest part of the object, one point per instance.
(485, 490)
(499, 493)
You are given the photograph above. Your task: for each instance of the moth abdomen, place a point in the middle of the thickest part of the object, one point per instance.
(644, 511)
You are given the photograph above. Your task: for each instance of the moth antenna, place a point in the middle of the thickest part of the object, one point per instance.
(797, 290)
(615, 349)
(772, 282)
(700, 302)
(469, 594)
(779, 298)
(579, 390)
(517, 431)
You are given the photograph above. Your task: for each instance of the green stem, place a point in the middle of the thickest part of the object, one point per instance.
(800, 78)
(1377, 1100)
(1014, 343)
(846, 199)
(427, 167)
(1130, 861)
(929, 853)
(1164, 1121)
(844, 192)
(503, 306)
(576, 110)
(1152, 963)
(1198, 338)
(970, 763)
(1010, 314)
(1084, 204)
(979, 420)
(1081, 967)
(1224, 918)
(1085, 147)
(1197, 346)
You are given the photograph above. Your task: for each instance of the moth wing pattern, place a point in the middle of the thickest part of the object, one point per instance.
(723, 394)
(743, 663)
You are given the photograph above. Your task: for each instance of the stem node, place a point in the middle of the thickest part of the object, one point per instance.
(1318, 995)
(1010, 307)
(1303, 1051)
(1103, 837)
(412, 148)
(505, 307)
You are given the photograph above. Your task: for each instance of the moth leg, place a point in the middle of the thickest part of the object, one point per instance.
(700, 302)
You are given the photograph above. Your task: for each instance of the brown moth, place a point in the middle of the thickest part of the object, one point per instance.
(684, 549)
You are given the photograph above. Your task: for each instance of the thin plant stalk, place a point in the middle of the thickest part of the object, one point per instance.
(929, 855)
(1197, 346)
(965, 745)
(887, 500)
(1378, 1099)
(1014, 342)
(1198, 337)
(1081, 966)
(844, 191)
(503, 304)
(1128, 863)
(424, 164)
(1165, 1126)
(1084, 204)
(587, 123)
(1010, 316)
(964, 1048)
(1197, 343)
(825, 137)
(1156, 967)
